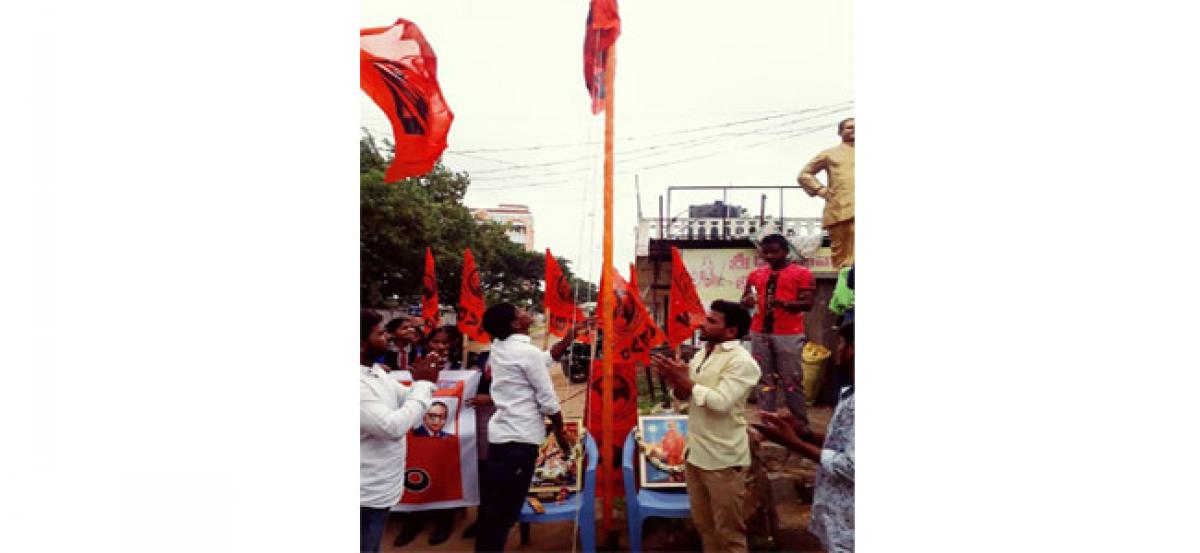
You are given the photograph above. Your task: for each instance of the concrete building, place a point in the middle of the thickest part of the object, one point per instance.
(518, 215)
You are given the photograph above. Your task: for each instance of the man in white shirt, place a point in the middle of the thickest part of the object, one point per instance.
(387, 410)
(523, 396)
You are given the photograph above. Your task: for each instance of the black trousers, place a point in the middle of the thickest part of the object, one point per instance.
(371, 524)
(507, 473)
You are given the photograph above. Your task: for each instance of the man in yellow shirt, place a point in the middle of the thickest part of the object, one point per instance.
(716, 384)
(838, 164)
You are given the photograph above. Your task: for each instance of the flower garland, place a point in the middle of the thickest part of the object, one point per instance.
(658, 463)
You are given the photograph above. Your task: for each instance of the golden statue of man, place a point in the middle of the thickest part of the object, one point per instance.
(838, 164)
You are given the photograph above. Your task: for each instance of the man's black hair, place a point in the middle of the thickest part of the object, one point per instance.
(735, 316)
(498, 320)
(442, 403)
(368, 321)
(394, 324)
(776, 239)
(842, 124)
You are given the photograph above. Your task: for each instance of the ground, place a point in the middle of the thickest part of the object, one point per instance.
(659, 534)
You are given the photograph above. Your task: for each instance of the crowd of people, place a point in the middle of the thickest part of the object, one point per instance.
(515, 396)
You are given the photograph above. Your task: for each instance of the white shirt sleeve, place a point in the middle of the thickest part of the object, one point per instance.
(376, 419)
(539, 376)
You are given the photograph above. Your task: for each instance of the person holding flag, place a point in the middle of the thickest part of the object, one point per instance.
(523, 395)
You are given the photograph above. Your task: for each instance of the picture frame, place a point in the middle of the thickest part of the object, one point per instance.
(551, 473)
(654, 430)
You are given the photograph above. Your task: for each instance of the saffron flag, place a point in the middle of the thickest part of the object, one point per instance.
(560, 302)
(429, 295)
(603, 28)
(441, 460)
(624, 418)
(651, 334)
(685, 313)
(631, 322)
(470, 301)
(398, 70)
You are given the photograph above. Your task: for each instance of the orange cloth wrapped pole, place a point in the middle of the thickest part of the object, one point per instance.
(606, 312)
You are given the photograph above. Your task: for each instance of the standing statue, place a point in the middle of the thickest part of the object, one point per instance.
(838, 164)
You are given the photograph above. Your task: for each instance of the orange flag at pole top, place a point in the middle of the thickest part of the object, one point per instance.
(470, 301)
(685, 312)
(603, 28)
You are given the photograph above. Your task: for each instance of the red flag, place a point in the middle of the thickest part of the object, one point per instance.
(398, 70)
(603, 28)
(651, 334)
(429, 295)
(632, 325)
(624, 418)
(685, 312)
(470, 302)
(560, 302)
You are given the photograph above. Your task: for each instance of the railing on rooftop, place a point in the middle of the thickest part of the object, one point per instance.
(717, 228)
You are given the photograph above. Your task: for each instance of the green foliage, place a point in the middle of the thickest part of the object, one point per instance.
(399, 220)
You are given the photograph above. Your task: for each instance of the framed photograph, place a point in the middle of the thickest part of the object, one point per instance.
(664, 441)
(552, 472)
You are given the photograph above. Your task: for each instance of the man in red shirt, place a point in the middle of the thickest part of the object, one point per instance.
(780, 293)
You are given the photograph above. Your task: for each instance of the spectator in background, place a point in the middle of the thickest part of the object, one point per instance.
(404, 333)
(782, 291)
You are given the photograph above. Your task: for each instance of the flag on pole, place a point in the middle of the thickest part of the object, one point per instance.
(603, 28)
(429, 295)
(470, 301)
(633, 328)
(651, 334)
(398, 70)
(685, 312)
(560, 302)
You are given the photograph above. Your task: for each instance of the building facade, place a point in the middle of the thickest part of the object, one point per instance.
(519, 216)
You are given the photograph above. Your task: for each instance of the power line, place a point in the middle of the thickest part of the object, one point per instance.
(668, 133)
(655, 147)
(790, 136)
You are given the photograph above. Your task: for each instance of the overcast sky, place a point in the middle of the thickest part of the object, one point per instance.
(725, 83)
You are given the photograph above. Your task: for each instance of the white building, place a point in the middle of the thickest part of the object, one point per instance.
(518, 215)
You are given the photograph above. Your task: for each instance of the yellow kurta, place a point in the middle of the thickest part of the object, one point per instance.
(838, 163)
(717, 436)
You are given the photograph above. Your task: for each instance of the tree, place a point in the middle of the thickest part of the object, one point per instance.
(398, 220)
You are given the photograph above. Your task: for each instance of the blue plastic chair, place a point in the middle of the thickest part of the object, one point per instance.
(583, 503)
(643, 504)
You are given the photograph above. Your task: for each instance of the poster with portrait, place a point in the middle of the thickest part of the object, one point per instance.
(441, 470)
(664, 444)
(553, 471)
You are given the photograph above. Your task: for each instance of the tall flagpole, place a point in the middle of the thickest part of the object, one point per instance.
(606, 312)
